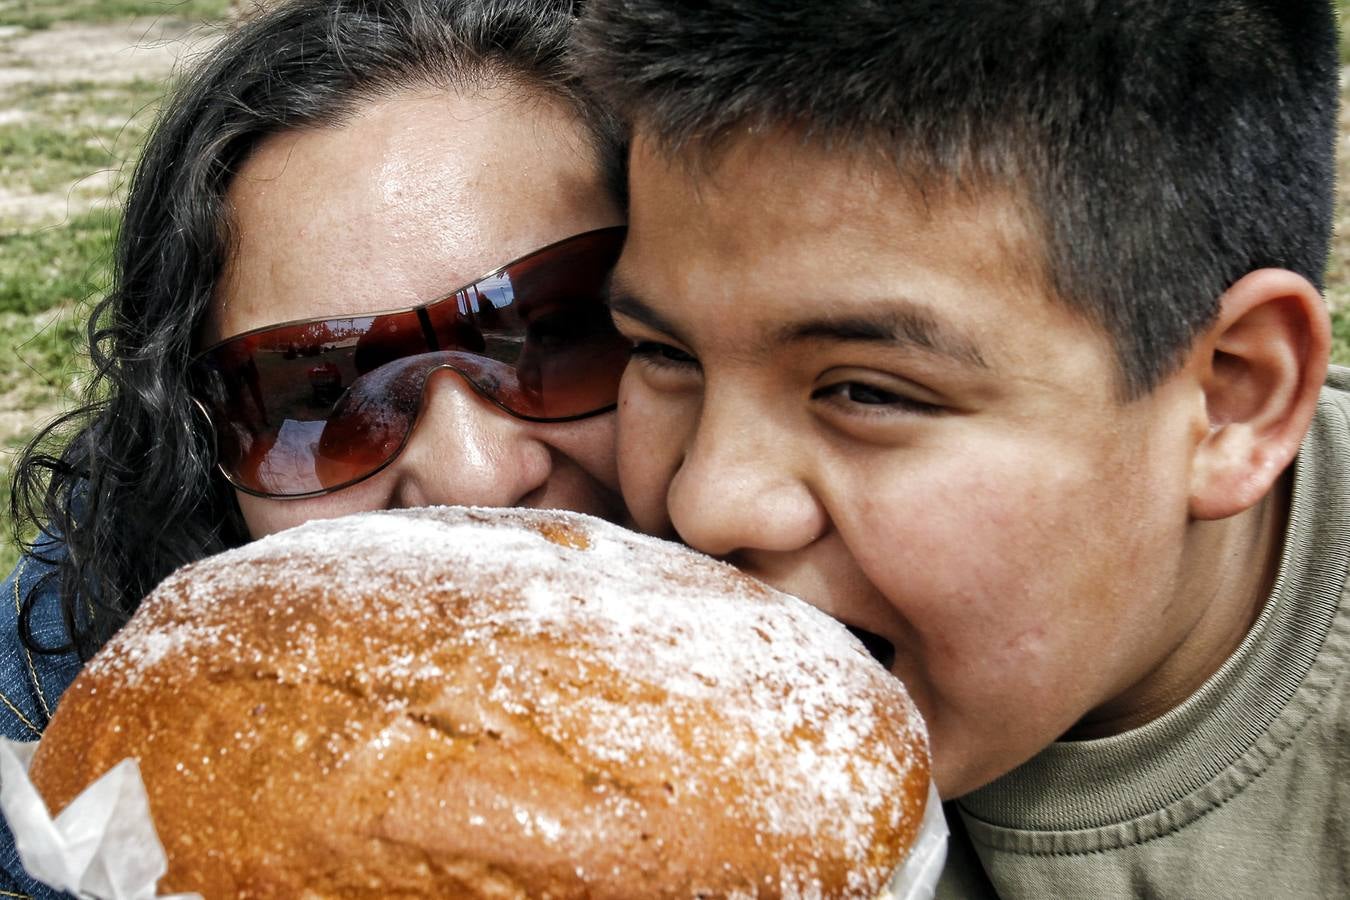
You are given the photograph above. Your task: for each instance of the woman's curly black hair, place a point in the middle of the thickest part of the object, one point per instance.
(123, 489)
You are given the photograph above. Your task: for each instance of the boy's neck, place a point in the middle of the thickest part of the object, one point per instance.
(1234, 563)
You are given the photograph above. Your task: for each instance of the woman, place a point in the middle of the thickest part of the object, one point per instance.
(331, 159)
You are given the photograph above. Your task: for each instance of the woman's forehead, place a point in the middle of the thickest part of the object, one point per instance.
(400, 204)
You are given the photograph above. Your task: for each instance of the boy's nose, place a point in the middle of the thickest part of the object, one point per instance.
(465, 451)
(741, 489)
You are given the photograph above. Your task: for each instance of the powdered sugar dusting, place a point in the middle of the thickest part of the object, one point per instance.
(714, 684)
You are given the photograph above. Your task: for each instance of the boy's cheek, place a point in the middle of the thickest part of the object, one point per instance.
(646, 440)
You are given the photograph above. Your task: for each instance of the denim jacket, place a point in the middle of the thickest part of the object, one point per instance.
(30, 685)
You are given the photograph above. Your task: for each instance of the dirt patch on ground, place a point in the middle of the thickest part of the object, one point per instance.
(150, 49)
(123, 51)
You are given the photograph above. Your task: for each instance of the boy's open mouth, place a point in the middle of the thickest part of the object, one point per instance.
(881, 649)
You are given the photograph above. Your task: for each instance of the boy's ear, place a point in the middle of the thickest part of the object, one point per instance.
(1261, 366)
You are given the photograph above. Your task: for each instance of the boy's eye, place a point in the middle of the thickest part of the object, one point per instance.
(866, 393)
(873, 398)
(658, 354)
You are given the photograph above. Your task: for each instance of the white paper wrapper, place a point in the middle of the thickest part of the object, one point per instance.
(917, 877)
(102, 846)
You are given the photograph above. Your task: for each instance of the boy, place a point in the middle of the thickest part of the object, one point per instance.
(994, 329)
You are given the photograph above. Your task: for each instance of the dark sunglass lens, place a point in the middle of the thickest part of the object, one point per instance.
(399, 335)
(271, 397)
(369, 424)
(546, 318)
(572, 360)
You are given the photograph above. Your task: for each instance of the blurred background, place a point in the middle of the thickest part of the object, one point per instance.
(80, 82)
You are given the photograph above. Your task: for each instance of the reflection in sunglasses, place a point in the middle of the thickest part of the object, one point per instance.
(378, 406)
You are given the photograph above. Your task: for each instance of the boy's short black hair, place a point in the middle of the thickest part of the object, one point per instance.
(1164, 148)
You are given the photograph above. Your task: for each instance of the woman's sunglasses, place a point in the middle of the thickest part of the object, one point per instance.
(310, 407)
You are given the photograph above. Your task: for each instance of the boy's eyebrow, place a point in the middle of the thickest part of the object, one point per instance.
(891, 322)
(627, 304)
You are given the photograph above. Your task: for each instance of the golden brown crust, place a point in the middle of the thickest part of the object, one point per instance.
(455, 707)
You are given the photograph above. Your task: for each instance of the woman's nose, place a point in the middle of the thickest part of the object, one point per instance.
(464, 450)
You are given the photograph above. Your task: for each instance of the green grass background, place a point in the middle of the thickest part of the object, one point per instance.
(79, 137)
(73, 141)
